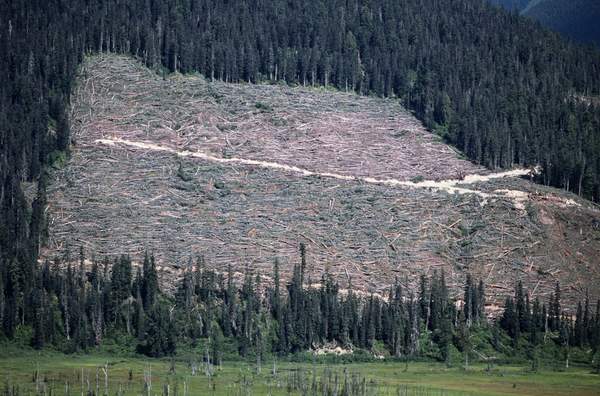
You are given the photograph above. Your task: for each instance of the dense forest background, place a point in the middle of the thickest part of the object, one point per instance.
(500, 88)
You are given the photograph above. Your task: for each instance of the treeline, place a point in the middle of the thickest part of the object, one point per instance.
(535, 320)
(79, 307)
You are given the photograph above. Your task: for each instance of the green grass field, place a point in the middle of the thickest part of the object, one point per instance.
(126, 377)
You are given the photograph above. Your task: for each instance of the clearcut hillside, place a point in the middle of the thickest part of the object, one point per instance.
(241, 174)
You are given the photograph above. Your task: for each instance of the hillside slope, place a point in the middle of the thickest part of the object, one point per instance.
(492, 83)
(577, 19)
(512, 5)
(242, 174)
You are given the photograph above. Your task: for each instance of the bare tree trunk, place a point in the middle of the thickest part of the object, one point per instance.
(147, 380)
(105, 369)
(101, 35)
(37, 378)
(67, 316)
(581, 174)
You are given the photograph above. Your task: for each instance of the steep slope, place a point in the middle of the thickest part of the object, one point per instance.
(242, 174)
(512, 5)
(530, 4)
(492, 83)
(577, 19)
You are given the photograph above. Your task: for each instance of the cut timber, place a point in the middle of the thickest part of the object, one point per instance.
(186, 167)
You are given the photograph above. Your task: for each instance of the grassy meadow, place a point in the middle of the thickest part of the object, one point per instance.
(30, 373)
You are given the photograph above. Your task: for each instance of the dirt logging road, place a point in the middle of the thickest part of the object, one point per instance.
(450, 186)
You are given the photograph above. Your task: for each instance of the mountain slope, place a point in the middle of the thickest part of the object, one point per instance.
(512, 5)
(577, 19)
(493, 84)
(242, 174)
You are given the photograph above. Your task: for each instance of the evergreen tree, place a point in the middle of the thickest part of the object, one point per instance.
(579, 330)
(159, 336)
(120, 290)
(39, 337)
(150, 282)
(13, 299)
(464, 338)
(555, 309)
(510, 319)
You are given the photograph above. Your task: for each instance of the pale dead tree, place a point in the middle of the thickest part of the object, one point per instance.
(105, 369)
(97, 324)
(87, 379)
(171, 312)
(67, 316)
(258, 340)
(147, 380)
(207, 363)
(97, 380)
(126, 309)
(545, 328)
(414, 332)
(37, 376)
(567, 353)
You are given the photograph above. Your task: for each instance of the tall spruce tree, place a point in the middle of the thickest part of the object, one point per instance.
(150, 282)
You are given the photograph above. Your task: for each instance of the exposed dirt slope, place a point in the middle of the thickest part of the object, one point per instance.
(243, 173)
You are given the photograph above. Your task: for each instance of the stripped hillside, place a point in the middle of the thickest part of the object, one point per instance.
(241, 174)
